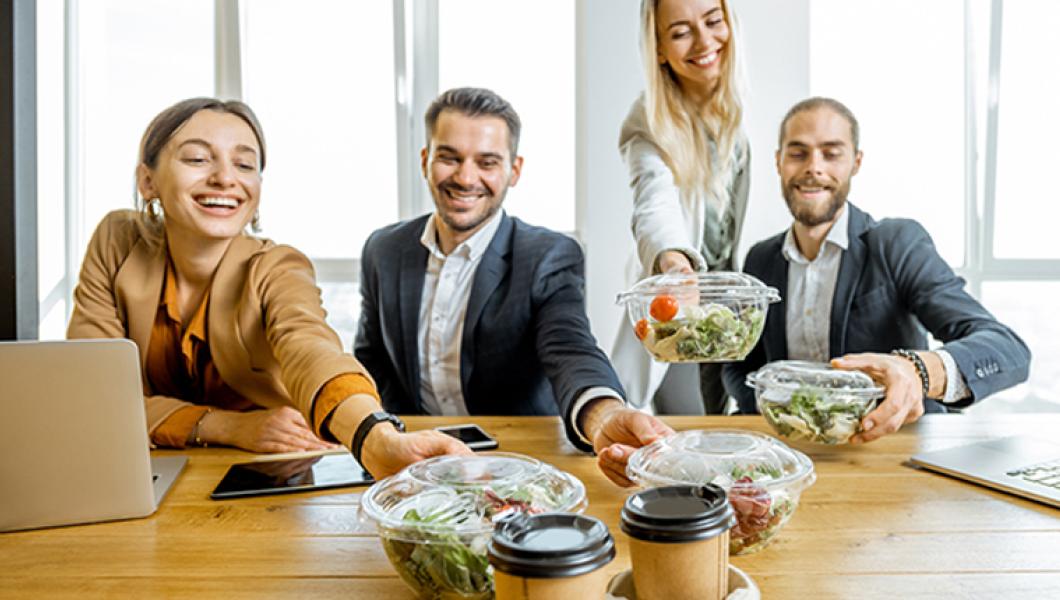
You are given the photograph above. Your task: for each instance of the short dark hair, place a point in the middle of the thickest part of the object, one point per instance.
(821, 102)
(168, 121)
(475, 102)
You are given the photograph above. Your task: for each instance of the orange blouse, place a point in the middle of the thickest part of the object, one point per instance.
(179, 365)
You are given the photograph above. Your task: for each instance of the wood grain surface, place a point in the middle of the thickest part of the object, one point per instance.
(870, 527)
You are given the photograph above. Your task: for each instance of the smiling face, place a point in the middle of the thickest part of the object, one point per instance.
(207, 177)
(816, 161)
(468, 170)
(693, 36)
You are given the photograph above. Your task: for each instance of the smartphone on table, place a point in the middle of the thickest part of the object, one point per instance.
(472, 435)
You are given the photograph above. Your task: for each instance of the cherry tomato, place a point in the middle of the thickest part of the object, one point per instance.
(663, 307)
(641, 329)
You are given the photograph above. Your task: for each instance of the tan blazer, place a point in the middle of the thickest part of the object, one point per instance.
(267, 333)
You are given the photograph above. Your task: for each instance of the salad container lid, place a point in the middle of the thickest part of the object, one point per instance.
(778, 380)
(468, 494)
(712, 287)
(728, 458)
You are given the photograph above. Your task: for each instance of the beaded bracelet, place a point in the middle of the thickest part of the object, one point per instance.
(918, 364)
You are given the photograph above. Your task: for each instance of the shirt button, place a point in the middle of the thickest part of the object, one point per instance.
(979, 373)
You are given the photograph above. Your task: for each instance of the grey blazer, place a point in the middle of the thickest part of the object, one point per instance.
(892, 285)
(526, 349)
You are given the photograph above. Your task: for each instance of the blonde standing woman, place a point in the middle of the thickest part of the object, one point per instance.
(688, 162)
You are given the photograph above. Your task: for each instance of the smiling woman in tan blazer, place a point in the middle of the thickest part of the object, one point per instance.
(231, 331)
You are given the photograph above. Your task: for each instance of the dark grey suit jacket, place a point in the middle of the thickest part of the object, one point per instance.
(892, 285)
(526, 349)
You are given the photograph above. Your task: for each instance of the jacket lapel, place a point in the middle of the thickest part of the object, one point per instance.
(850, 269)
(230, 344)
(140, 283)
(407, 312)
(488, 276)
(775, 334)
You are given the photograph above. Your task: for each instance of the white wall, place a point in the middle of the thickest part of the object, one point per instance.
(776, 47)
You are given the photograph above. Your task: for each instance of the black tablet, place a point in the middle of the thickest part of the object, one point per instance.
(291, 475)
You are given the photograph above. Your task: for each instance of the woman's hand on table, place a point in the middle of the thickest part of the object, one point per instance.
(616, 432)
(387, 450)
(282, 429)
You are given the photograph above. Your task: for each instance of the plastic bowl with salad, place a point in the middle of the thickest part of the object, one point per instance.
(812, 401)
(762, 476)
(704, 317)
(436, 517)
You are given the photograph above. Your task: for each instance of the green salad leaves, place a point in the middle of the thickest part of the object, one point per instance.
(813, 415)
(711, 333)
(440, 552)
(440, 565)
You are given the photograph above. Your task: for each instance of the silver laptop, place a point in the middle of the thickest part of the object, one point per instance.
(73, 435)
(1021, 465)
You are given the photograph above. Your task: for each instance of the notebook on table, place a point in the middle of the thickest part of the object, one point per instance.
(1021, 465)
(73, 435)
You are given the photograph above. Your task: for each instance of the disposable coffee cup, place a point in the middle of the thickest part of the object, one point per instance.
(679, 542)
(550, 555)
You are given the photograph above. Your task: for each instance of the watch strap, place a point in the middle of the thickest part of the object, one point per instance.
(357, 444)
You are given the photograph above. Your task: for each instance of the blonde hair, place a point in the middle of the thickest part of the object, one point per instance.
(683, 130)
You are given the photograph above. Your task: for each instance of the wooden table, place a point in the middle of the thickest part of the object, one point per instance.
(870, 527)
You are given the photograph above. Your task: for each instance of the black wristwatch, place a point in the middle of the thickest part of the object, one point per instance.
(367, 424)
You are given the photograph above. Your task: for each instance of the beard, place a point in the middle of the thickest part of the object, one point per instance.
(813, 215)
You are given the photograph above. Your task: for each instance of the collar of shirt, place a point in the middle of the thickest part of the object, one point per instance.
(837, 235)
(474, 246)
(196, 327)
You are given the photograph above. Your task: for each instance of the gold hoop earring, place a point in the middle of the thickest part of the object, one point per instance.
(154, 209)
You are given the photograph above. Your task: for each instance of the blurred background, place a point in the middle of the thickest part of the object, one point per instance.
(956, 100)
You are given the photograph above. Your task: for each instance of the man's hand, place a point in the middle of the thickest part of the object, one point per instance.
(616, 431)
(387, 450)
(904, 399)
(280, 429)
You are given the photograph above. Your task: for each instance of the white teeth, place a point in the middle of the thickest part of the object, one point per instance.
(706, 60)
(465, 196)
(225, 202)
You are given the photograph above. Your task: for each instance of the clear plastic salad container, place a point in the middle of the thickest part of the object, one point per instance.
(705, 317)
(762, 476)
(436, 517)
(812, 401)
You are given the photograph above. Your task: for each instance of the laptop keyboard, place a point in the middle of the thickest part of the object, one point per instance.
(1047, 473)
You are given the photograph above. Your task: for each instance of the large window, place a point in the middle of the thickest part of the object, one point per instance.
(479, 44)
(908, 96)
(1026, 209)
(325, 97)
(51, 188)
(340, 88)
(959, 133)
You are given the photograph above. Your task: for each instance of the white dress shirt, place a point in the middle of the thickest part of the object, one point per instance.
(811, 288)
(443, 310)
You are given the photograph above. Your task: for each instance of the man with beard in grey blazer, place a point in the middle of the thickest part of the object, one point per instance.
(862, 292)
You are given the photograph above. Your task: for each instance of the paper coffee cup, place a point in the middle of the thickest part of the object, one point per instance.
(679, 542)
(551, 555)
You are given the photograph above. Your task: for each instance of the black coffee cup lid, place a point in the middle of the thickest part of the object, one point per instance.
(680, 513)
(550, 545)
